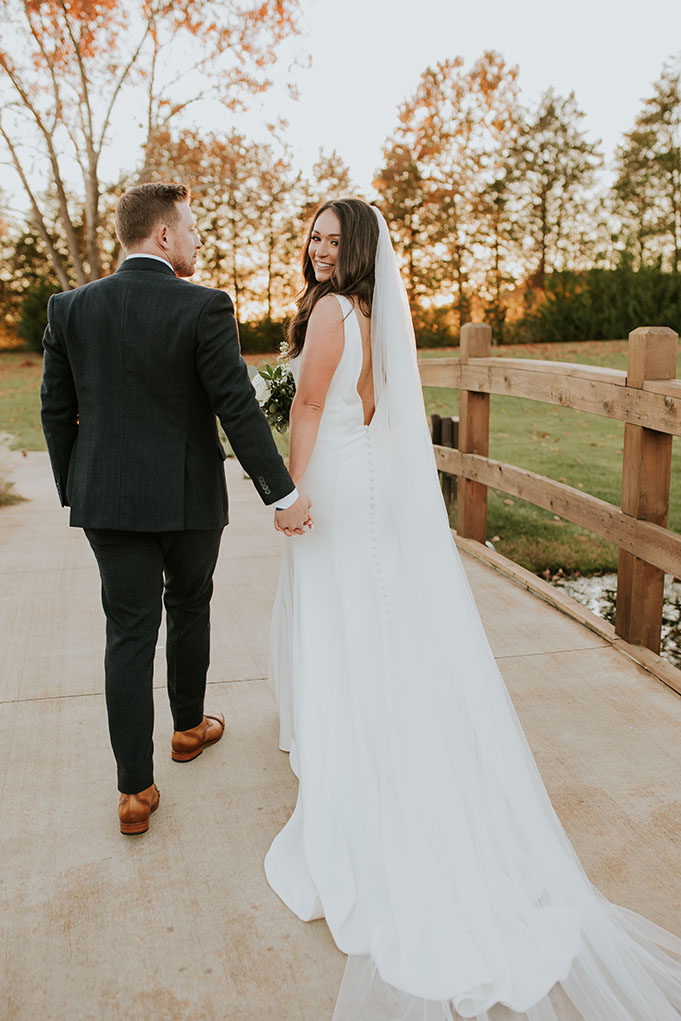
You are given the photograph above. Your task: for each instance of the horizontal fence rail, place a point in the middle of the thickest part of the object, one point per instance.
(646, 398)
(656, 405)
(651, 542)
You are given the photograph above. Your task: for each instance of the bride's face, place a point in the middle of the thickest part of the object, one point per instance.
(324, 242)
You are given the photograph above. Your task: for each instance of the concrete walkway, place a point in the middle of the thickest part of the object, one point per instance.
(180, 923)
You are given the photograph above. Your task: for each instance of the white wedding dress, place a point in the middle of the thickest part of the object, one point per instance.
(422, 830)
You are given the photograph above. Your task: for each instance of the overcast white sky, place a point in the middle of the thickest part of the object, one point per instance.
(368, 55)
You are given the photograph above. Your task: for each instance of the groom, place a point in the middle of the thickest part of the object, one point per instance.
(136, 368)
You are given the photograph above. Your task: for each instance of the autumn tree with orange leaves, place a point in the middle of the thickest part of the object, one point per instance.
(443, 180)
(73, 72)
(239, 201)
(252, 207)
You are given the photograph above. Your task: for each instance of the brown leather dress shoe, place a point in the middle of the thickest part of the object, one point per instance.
(134, 810)
(187, 744)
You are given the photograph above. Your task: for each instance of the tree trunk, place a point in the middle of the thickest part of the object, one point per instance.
(411, 286)
(270, 250)
(41, 227)
(541, 271)
(92, 223)
(675, 197)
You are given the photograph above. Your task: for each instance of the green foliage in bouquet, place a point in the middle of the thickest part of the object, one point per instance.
(275, 389)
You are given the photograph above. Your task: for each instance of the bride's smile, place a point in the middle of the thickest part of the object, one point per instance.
(323, 247)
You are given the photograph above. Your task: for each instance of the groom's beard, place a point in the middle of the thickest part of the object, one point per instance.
(184, 267)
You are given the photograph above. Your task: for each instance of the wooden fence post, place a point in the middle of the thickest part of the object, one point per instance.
(471, 508)
(450, 438)
(646, 472)
(445, 433)
(436, 429)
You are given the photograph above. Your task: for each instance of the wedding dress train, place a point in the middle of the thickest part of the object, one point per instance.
(422, 830)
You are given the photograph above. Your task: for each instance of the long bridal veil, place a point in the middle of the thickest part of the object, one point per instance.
(485, 910)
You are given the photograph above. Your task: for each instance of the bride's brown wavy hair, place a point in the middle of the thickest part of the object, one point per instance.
(353, 273)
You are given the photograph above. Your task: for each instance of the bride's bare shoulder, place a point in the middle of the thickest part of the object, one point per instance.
(324, 343)
(327, 311)
(325, 325)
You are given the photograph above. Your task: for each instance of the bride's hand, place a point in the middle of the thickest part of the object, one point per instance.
(296, 518)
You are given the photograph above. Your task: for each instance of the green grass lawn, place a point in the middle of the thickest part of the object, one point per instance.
(582, 450)
(20, 373)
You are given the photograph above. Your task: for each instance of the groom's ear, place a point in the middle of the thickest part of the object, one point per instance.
(160, 234)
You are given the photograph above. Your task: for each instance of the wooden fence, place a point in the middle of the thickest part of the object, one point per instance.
(647, 398)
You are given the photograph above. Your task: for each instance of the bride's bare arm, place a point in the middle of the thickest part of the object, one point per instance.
(324, 341)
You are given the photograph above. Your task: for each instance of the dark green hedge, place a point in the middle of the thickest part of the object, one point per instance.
(601, 304)
(597, 304)
(433, 329)
(33, 313)
(264, 337)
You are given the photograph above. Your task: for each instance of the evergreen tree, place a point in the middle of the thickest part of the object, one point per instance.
(647, 191)
(404, 199)
(554, 167)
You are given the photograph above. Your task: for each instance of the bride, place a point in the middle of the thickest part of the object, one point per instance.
(422, 832)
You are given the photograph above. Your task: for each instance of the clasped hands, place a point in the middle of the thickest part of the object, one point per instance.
(296, 518)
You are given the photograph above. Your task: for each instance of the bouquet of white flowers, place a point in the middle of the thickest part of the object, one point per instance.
(275, 389)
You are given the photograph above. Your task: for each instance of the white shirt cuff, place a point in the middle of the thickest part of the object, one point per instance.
(286, 501)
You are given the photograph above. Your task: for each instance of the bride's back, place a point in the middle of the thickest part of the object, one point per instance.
(365, 383)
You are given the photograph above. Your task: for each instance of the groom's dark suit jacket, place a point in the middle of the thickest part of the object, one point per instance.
(137, 365)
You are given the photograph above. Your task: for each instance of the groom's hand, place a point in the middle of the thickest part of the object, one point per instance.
(296, 518)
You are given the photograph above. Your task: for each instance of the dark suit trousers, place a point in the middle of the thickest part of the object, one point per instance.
(139, 571)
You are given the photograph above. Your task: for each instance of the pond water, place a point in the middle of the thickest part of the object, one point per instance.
(598, 591)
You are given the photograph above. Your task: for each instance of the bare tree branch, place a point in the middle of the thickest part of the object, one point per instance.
(69, 229)
(69, 63)
(57, 261)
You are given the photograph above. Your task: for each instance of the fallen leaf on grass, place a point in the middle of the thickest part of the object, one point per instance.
(509, 503)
